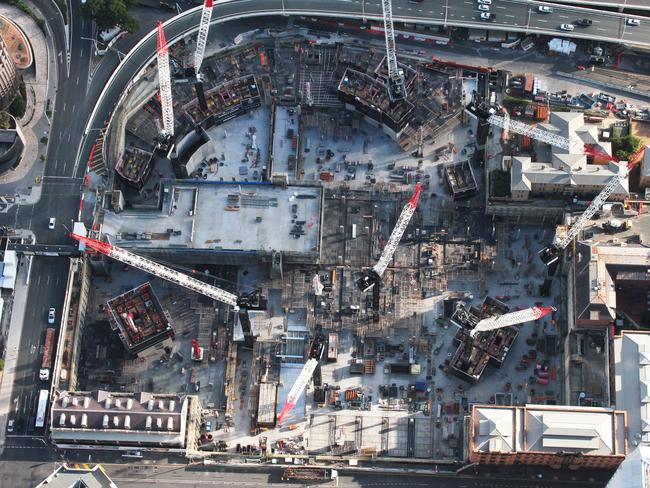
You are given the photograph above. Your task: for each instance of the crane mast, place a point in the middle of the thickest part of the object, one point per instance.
(164, 79)
(396, 85)
(509, 319)
(374, 276)
(202, 36)
(252, 300)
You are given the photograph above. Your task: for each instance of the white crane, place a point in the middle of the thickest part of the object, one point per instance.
(315, 353)
(396, 85)
(373, 277)
(575, 146)
(164, 79)
(551, 253)
(202, 36)
(509, 319)
(246, 301)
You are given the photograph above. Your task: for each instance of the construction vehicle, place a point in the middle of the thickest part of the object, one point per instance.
(197, 351)
(509, 319)
(309, 474)
(46, 362)
(315, 353)
(374, 276)
(240, 303)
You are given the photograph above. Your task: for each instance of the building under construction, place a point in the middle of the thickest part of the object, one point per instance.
(139, 319)
(460, 178)
(475, 353)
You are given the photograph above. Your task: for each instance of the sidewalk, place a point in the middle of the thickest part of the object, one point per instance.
(40, 83)
(13, 346)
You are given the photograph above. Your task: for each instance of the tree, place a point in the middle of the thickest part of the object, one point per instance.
(110, 13)
(622, 147)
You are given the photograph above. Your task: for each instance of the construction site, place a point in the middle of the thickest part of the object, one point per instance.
(311, 213)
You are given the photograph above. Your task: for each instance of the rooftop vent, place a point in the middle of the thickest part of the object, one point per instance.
(170, 423)
(105, 421)
(86, 402)
(147, 424)
(73, 419)
(159, 423)
(108, 402)
(84, 420)
(62, 420)
(129, 403)
(150, 405)
(127, 422)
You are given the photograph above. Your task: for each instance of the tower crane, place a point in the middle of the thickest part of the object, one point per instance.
(202, 36)
(240, 303)
(315, 353)
(509, 319)
(373, 277)
(396, 84)
(551, 253)
(164, 79)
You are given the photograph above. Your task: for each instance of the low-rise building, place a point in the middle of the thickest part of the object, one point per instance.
(543, 435)
(566, 171)
(78, 476)
(109, 419)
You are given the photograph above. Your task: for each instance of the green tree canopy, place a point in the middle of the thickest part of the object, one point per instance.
(110, 13)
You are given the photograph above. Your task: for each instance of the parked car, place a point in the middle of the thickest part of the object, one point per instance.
(10, 426)
(632, 22)
(51, 315)
(545, 9)
(51, 223)
(567, 27)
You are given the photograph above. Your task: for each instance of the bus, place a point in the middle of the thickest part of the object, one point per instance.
(43, 396)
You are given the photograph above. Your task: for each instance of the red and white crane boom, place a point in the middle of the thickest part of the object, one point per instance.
(164, 80)
(509, 319)
(373, 276)
(315, 353)
(202, 36)
(171, 275)
(551, 253)
(396, 85)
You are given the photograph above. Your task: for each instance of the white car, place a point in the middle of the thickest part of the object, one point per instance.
(51, 315)
(485, 2)
(545, 9)
(484, 8)
(10, 426)
(567, 27)
(632, 22)
(52, 223)
(486, 16)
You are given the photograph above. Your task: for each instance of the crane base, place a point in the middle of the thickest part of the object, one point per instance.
(368, 280)
(550, 254)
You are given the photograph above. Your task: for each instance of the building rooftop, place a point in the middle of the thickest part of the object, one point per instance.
(632, 382)
(461, 179)
(134, 166)
(67, 476)
(102, 417)
(139, 319)
(567, 167)
(225, 217)
(548, 429)
(597, 267)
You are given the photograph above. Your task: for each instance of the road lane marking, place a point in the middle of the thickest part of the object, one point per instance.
(542, 20)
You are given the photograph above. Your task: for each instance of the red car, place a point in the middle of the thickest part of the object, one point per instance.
(581, 67)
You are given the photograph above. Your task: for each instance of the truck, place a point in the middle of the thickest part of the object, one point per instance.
(46, 362)
(41, 410)
(309, 474)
